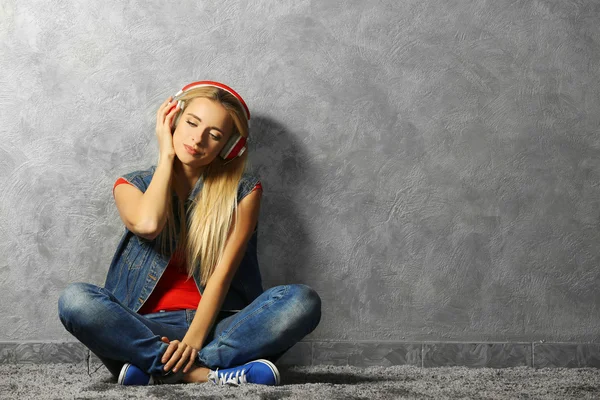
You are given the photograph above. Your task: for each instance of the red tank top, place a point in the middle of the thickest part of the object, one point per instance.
(174, 291)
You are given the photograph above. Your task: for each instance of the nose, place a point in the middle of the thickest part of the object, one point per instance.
(200, 139)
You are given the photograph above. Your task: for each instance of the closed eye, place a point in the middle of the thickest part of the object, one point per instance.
(216, 137)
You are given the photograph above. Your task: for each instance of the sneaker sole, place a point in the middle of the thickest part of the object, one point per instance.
(122, 374)
(273, 368)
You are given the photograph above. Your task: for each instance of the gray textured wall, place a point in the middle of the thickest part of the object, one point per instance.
(430, 167)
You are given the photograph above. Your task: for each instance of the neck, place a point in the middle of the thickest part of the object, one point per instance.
(184, 176)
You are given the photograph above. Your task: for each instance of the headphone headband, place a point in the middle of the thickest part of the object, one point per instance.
(218, 85)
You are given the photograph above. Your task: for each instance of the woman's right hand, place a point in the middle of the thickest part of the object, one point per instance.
(164, 120)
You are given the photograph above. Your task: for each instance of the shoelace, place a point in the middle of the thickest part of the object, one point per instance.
(228, 378)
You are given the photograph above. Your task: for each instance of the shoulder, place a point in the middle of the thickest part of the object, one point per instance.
(247, 184)
(140, 178)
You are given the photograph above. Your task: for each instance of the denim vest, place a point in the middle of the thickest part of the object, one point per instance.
(136, 266)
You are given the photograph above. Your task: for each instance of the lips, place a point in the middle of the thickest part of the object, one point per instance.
(190, 150)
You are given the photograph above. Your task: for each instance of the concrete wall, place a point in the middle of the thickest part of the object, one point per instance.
(431, 168)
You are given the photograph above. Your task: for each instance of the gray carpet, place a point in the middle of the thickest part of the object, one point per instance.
(72, 381)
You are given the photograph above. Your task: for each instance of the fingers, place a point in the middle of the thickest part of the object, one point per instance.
(170, 350)
(165, 339)
(182, 359)
(166, 107)
(171, 106)
(179, 355)
(191, 361)
(167, 102)
(186, 359)
(162, 106)
(172, 113)
(165, 114)
(175, 356)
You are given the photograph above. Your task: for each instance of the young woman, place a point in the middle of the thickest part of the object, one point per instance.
(183, 299)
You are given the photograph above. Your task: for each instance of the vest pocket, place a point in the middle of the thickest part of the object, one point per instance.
(136, 254)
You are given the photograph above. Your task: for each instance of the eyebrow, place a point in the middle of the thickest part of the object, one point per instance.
(211, 127)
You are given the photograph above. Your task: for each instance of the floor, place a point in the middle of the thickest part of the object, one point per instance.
(75, 381)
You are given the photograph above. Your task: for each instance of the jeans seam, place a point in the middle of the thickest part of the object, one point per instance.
(257, 311)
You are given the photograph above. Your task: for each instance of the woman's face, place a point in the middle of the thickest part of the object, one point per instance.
(202, 131)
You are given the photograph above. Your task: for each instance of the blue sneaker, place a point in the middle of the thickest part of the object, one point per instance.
(132, 375)
(262, 372)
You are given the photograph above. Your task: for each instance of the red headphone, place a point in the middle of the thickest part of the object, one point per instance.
(236, 145)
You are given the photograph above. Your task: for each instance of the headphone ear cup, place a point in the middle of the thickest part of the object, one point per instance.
(235, 147)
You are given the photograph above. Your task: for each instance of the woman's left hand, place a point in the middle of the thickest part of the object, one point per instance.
(178, 354)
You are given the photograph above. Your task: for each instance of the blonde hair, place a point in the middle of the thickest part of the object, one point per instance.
(203, 233)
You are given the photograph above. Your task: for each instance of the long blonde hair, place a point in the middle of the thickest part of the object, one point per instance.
(204, 230)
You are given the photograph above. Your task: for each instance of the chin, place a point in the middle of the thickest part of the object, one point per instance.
(195, 162)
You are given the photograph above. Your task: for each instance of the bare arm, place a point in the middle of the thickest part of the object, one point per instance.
(145, 214)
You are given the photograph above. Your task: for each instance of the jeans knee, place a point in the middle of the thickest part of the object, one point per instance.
(308, 300)
(74, 302)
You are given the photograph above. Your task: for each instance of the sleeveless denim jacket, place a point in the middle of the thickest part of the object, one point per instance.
(136, 266)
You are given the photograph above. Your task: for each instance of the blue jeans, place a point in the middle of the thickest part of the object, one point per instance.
(275, 321)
